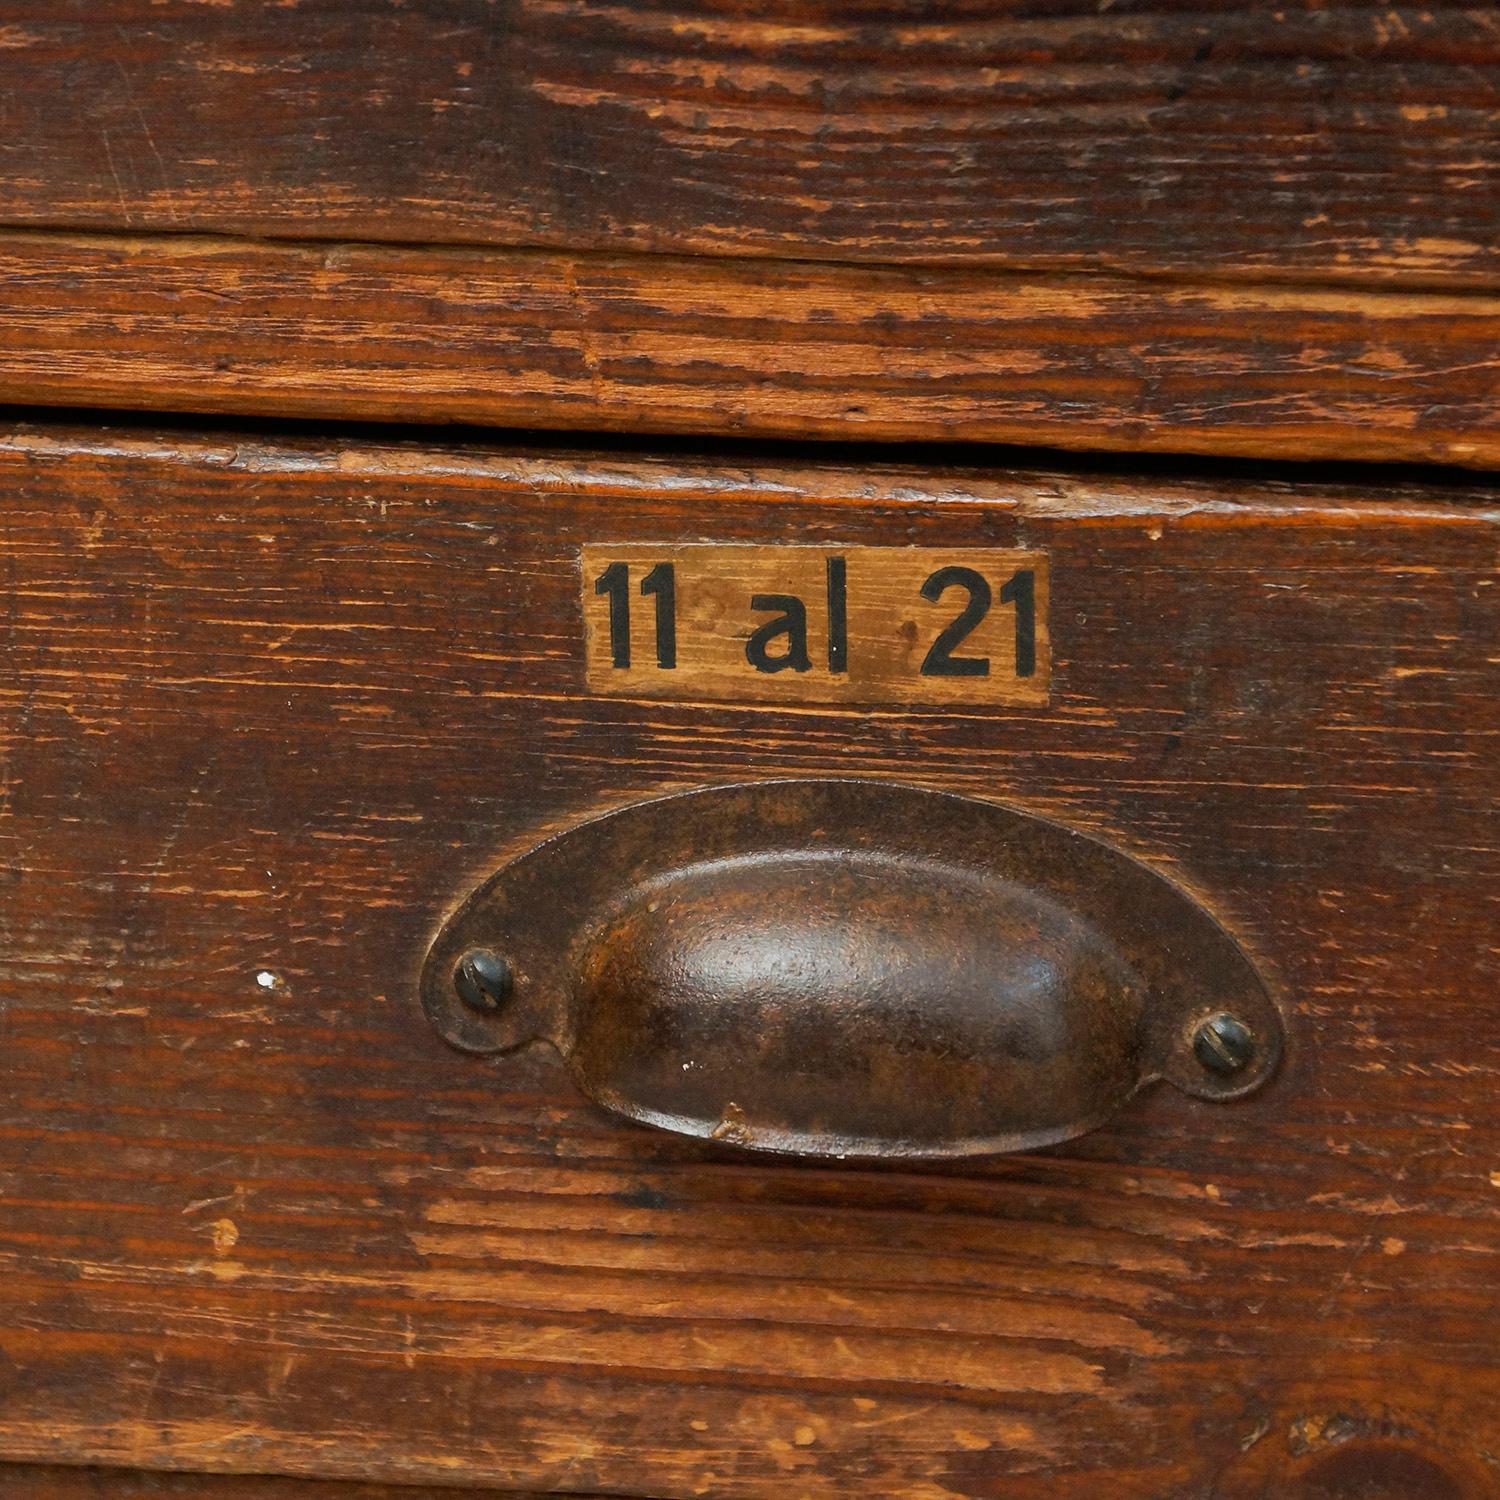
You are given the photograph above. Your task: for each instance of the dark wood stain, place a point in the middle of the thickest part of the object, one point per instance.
(1324, 138)
(57, 1482)
(269, 709)
(740, 348)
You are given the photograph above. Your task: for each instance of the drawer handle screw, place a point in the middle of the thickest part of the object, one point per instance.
(1224, 1044)
(483, 980)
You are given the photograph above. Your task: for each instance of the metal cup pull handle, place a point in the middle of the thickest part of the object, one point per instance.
(844, 968)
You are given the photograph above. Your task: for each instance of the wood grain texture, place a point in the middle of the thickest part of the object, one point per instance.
(56, 1482)
(1318, 138)
(269, 709)
(651, 343)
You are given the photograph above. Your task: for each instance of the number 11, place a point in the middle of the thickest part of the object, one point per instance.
(660, 582)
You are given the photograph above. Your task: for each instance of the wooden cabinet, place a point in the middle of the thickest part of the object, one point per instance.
(279, 705)
(293, 663)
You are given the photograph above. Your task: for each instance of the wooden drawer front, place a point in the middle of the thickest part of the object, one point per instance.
(269, 710)
(1340, 140)
(1238, 230)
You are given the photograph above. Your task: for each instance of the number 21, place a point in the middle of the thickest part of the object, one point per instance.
(1019, 590)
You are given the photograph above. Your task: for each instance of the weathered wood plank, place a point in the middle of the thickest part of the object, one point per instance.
(1321, 138)
(268, 710)
(652, 343)
(57, 1482)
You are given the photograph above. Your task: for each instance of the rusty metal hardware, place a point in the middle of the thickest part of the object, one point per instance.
(482, 980)
(852, 968)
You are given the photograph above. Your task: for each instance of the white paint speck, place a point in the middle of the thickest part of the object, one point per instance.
(267, 980)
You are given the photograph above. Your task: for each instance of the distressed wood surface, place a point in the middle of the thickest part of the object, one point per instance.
(652, 343)
(56, 1482)
(268, 711)
(1325, 138)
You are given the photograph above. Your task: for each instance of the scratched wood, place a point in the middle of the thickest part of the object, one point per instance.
(270, 709)
(1321, 137)
(722, 348)
(55, 1482)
